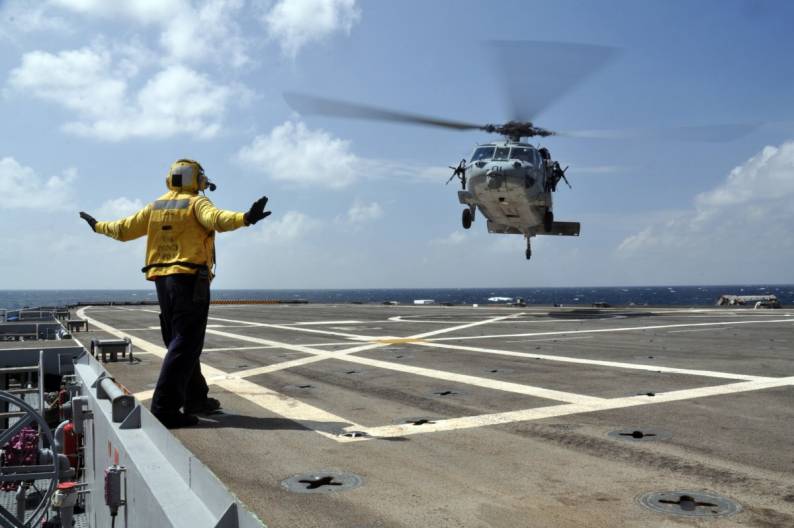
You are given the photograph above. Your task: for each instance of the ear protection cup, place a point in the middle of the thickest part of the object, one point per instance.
(187, 175)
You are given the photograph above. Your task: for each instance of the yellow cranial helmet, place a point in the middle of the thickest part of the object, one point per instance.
(187, 175)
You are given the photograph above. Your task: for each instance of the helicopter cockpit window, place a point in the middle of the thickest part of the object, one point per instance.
(523, 154)
(482, 153)
(501, 153)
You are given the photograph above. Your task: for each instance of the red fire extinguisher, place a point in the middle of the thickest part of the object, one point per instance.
(70, 444)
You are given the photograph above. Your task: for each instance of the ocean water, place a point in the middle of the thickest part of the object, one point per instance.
(582, 296)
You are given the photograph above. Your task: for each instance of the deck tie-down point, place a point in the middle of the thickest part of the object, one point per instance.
(641, 435)
(689, 503)
(637, 434)
(354, 434)
(319, 481)
(322, 482)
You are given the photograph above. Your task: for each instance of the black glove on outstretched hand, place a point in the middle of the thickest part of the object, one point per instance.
(257, 212)
(90, 219)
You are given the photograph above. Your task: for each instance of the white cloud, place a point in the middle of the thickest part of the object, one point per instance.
(118, 208)
(361, 213)
(209, 31)
(26, 16)
(295, 154)
(95, 84)
(455, 238)
(22, 188)
(143, 11)
(749, 216)
(288, 227)
(296, 23)
(189, 31)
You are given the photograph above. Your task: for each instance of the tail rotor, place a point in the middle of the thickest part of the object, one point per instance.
(460, 172)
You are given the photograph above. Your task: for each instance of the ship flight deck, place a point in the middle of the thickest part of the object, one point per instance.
(456, 416)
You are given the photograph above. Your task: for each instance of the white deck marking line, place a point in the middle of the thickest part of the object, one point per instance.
(310, 323)
(290, 408)
(600, 363)
(609, 330)
(354, 337)
(550, 339)
(696, 330)
(322, 355)
(264, 347)
(540, 413)
(487, 383)
(399, 319)
(467, 325)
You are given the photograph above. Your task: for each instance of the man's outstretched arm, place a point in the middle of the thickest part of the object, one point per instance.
(129, 228)
(216, 219)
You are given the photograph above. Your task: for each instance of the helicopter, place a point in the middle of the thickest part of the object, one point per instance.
(512, 182)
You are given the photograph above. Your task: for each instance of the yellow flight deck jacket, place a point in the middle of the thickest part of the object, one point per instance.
(180, 229)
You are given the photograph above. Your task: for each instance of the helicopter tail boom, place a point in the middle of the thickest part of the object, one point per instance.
(562, 229)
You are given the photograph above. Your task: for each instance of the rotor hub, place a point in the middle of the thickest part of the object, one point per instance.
(515, 130)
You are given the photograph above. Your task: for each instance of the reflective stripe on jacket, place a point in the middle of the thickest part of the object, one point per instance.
(180, 228)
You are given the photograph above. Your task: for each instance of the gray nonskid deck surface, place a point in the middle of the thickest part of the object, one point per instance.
(519, 405)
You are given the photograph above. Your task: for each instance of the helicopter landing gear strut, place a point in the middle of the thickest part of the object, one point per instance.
(467, 218)
(528, 252)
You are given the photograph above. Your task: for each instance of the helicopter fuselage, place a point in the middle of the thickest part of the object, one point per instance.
(512, 184)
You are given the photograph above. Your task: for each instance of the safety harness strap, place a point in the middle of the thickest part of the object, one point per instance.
(192, 265)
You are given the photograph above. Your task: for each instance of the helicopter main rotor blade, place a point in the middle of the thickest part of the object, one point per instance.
(309, 104)
(536, 74)
(708, 133)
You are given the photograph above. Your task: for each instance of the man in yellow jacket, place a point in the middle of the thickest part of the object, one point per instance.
(180, 228)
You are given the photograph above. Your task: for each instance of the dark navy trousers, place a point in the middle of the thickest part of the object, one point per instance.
(183, 321)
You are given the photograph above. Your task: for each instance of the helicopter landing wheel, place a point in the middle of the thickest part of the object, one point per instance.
(467, 218)
(548, 221)
(528, 252)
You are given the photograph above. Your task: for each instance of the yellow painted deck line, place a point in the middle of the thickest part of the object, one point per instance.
(601, 363)
(398, 341)
(290, 408)
(539, 413)
(612, 330)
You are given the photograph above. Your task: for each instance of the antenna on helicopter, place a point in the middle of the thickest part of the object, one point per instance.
(460, 172)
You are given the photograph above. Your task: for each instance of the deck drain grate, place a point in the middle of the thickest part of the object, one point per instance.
(641, 435)
(689, 503)
(321, 482)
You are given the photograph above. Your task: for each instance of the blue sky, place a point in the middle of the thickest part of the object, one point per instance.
(98, 98)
